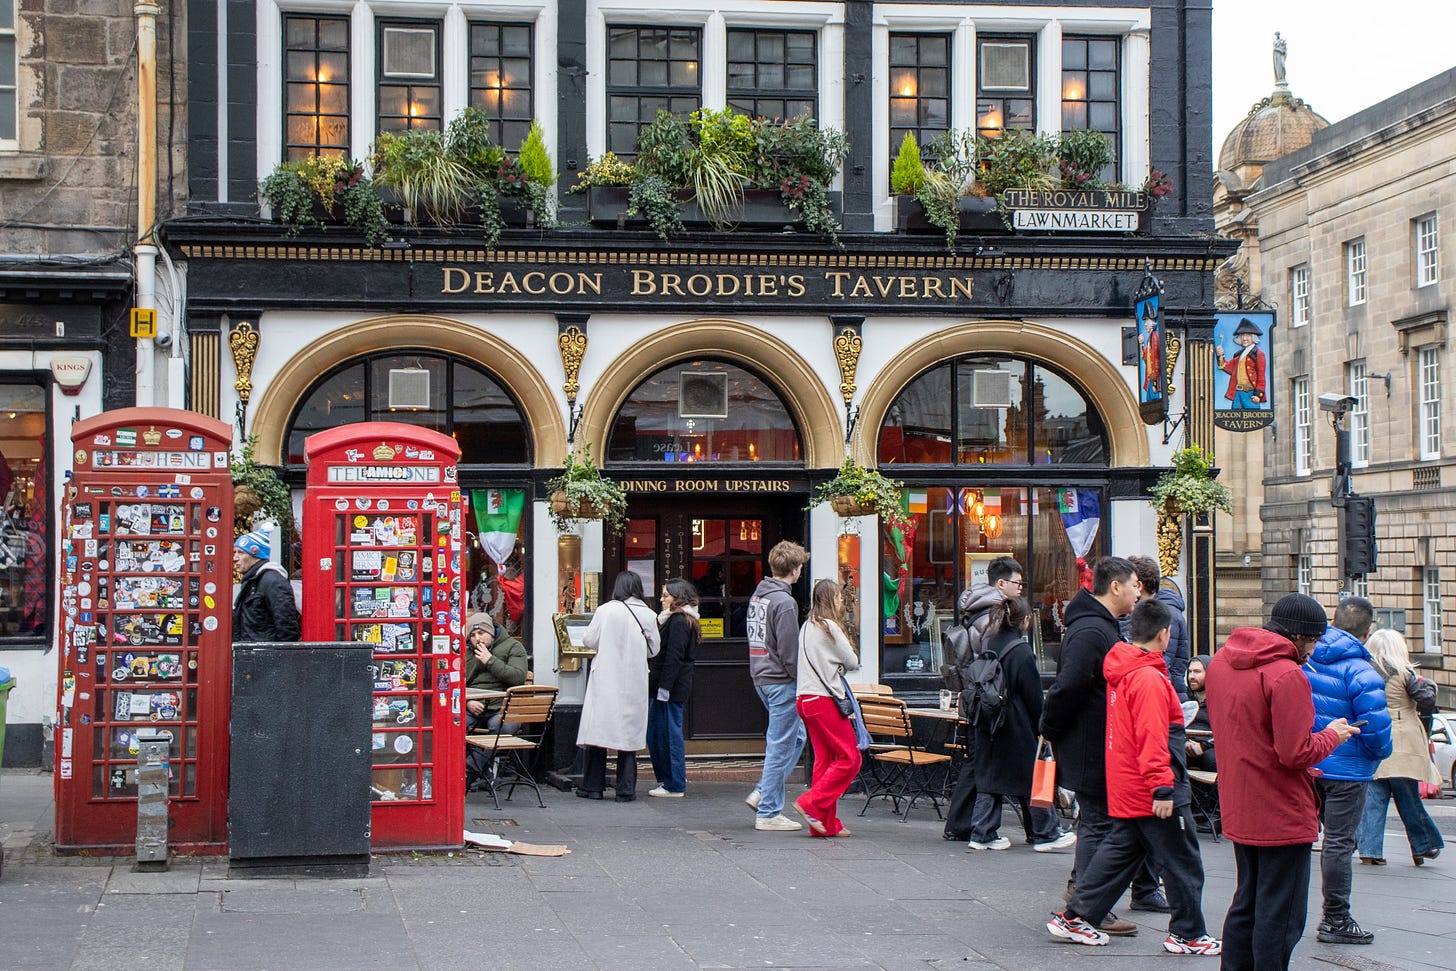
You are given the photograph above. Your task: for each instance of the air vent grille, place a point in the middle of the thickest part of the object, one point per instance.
(409, 52)
(409, 388)
(991, 389)
(1006, 67)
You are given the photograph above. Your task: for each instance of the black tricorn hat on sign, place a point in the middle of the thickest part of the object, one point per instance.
(1247, 326)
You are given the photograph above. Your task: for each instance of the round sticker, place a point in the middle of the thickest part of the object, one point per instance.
(361, 522)
(213, 514)
(197, 492)
(341, 504)
(80, 456)
(210, 587)
(212, 532)
(413, 504)
(103, 565)
(383, 504)
(174, 433)
(142, 492)
(83, 588)
(363, 503)
(209, 623)
(403, 744)
(209, 603)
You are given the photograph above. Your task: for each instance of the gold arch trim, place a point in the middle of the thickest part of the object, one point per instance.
(820, 429)
(1095, 376)
(539, 406)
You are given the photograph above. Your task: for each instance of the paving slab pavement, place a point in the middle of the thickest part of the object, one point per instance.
(670, 884)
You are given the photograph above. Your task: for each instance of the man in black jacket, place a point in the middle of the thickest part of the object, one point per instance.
(1074, 718)
(264, 609)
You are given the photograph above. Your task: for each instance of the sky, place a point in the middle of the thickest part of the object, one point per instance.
(1344, 55)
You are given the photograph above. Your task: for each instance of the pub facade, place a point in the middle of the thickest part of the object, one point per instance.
(721, 374)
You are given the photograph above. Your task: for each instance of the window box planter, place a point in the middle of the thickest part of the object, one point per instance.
(978, 215)
(761, 209)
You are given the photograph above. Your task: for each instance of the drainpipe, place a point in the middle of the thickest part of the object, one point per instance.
(145, 249)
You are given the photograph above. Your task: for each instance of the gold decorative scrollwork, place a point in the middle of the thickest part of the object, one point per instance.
(1174, 347)
(847, 346)
(1170, 541)
(243, 342)
(572, 344)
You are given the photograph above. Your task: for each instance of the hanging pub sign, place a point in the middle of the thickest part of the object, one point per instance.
(1242, 390)
(1151, 380)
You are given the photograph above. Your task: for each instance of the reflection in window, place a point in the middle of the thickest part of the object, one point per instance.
(1004, 411)
(448, 396)
(703, 411)
(727, 565)
(24, 572)
(773, 73)
(919, 88)
(649, 69)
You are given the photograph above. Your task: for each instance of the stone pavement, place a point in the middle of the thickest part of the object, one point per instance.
(682, 883)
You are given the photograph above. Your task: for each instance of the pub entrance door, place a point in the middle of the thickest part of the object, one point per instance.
(721, 544)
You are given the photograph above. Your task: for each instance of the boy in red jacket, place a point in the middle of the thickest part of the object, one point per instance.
(1147, 795)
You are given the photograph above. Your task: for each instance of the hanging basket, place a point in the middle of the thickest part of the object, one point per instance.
(586, 509)
(246, 504)
(849, 506)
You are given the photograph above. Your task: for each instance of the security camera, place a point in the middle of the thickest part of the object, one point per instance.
(1338, 404)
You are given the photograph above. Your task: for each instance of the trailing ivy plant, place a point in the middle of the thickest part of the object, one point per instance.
(290, 197)
(585, 493)
(1190, 487)
(296, 189)
(869, 488)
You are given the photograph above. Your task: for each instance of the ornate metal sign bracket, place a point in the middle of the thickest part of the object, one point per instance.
(571, 342)
(848, 342)
(243, 343)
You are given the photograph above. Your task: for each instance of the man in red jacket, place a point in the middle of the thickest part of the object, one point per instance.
(1261, 710)
(1147, 795)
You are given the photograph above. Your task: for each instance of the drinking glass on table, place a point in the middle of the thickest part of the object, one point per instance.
(947, 698)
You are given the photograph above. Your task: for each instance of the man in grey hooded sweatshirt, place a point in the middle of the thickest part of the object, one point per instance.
(773, 663)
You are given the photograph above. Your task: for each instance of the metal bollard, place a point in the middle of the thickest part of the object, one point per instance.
(153, 751)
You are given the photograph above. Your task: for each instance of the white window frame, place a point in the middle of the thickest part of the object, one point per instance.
(1304, 569)
(1359, 587)
(454, 65)
(1303, 427)
(1428, 250)
(1299, 294)
(1355, 267)
(1431, 620)
(11, 142)
(1359, 389)
(1428, 417)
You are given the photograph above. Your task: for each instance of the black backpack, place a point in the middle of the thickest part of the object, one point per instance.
(984, 698)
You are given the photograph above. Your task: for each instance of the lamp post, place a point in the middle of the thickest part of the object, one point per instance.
(1338, 406)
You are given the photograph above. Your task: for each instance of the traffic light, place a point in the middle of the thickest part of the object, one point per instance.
(1359, 535)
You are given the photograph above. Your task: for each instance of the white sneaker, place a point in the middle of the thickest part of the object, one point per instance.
(776, 824)
(999, 843)
(662, 793)
(753, 799)
(1060, 843)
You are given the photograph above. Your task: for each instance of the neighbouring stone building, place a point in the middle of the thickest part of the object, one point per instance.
(1274, 127)
(1351, 241)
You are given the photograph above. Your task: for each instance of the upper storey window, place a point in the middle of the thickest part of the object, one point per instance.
(9, 70)
(920, 93)
(1005, 84)
(1091, 92)
(500, 79)
(773, 73)
(316, 86)
(409, 76)
(649, 69)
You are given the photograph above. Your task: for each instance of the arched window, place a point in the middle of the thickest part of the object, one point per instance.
(986, 410)
(704, 411)
(447, 394)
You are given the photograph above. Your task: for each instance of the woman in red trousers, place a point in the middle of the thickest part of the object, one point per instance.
(824, 655)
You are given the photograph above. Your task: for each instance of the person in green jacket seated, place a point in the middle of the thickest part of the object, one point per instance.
(495, 661)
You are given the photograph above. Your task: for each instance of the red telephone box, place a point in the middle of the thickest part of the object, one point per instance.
(145, 632)
(382, 563)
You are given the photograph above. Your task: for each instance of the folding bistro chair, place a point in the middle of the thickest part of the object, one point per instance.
(1204, 787)
(897, 767)
(527, 708)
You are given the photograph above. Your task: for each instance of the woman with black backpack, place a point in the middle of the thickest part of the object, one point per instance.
(1004, 751)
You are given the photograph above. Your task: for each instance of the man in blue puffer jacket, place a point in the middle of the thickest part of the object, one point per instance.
(1345, 685)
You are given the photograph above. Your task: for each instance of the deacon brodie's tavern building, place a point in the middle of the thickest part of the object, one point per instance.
(721, 375)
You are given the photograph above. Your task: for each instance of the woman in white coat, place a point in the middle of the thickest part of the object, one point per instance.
(614, 715)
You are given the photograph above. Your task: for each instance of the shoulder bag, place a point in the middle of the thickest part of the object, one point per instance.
(845, 704)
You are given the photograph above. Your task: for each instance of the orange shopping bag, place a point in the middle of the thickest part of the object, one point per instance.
(1044, 777)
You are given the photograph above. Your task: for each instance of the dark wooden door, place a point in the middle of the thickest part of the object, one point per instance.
(722, 546)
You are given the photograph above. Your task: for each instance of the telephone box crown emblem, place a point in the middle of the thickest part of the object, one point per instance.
(152, 437)
(384, 453)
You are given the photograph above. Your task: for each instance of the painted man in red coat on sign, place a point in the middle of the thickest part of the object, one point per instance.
(1246, 369)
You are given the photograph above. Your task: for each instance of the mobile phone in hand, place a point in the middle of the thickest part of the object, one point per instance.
(1361, 723)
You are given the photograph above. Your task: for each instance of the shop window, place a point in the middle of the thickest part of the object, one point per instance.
(500, 79)
(727, 565)
(9, 71)
(992, 411)
(956, 532)
(316, 86)
(1005, 84)
(704, 411)
(649, 69)
(409, 75)
(919, 88)
(773, 73)
(447, 395)
(24, 522)
(1091, 92)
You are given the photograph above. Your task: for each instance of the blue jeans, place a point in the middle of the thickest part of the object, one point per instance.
(665, 745)
(783, 744)
(1420, 830)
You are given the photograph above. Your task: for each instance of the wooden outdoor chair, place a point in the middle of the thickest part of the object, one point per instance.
(897, 767)
(526, 709)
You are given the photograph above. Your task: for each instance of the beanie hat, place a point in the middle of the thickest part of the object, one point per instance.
(1296, 615)
(479, 620)
(255, 544)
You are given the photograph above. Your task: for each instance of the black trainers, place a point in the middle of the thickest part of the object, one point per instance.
(1347, 932)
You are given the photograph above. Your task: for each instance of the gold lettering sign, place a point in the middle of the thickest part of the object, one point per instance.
(706, 485)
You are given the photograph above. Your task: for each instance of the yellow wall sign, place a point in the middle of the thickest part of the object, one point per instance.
(143, 322)
(712, 626)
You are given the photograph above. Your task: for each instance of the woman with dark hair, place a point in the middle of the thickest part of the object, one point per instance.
(669, 683)
(824, 655)
(614, 714)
